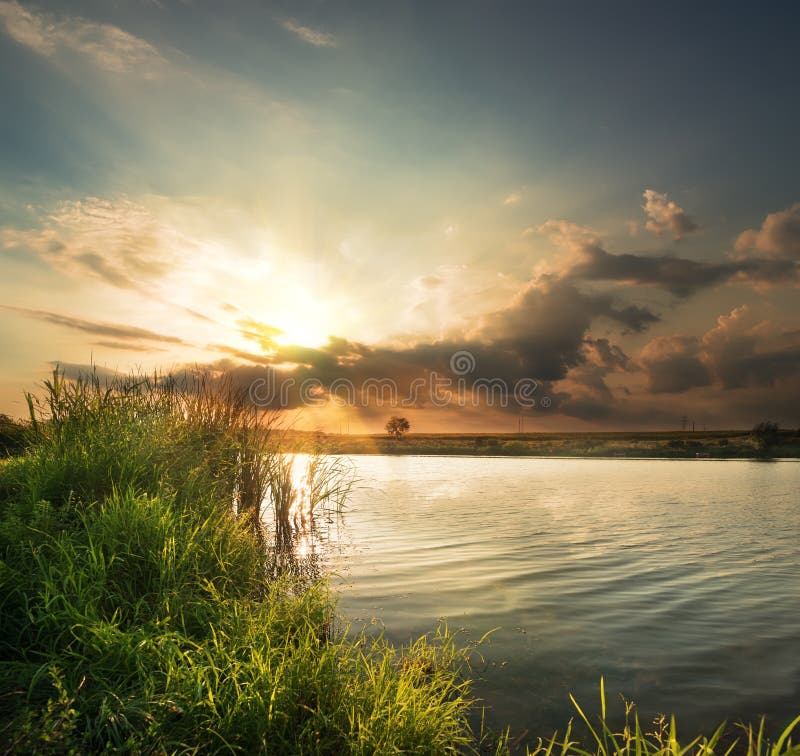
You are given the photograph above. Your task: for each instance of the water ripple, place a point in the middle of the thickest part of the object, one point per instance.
(677, 581)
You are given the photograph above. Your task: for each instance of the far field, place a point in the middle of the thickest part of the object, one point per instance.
(729, 444)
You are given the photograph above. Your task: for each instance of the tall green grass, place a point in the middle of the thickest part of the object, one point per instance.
(140, 608)
(661, 738)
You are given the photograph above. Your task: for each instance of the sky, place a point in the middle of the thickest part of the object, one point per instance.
(586, 214)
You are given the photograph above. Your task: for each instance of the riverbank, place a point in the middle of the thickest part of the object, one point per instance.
(735, 444)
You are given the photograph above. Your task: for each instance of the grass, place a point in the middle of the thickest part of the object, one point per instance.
(634, 740)
(147, 604)
(140, 608)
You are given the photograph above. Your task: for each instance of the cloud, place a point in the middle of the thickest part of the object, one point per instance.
(779, 235)
(264, 335)
(678, 275)
(587, 260)
(673, 364)
(584, 392)
(608, 356)
(105, 46)
(742, 351)
(129, 346)
(140, 249)
(542, 334)
(568, 235)
(103, 269)
(242, 354)
(665, 216)
(739, 352)
(514, 198)
(311, 36)
(546, 323)
(112, 330)
(117, 241)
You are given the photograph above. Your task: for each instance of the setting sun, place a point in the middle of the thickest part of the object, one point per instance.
(306, 323)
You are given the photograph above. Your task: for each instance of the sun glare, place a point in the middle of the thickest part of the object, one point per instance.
(302, 330)
(304, 319)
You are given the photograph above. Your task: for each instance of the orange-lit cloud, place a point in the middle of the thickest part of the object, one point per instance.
(666, 216)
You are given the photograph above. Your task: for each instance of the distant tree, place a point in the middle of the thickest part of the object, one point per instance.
(397, 426)
(765, 434)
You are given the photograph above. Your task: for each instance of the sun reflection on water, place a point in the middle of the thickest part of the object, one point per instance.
(299, 537)
(305, 501)
(301, 508)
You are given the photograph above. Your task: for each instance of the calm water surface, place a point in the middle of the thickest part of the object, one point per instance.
(678, 581)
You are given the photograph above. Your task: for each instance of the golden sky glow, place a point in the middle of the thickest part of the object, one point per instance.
(341, 192)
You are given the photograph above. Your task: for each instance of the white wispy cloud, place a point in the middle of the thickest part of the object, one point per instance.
(117, 241)
(311, 36)
(104, 45)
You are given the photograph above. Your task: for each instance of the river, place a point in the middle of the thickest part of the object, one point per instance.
(678, 581)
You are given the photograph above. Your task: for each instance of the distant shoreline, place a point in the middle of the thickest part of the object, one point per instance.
(733, 444)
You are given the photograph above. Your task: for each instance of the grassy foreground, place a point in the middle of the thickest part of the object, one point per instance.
(139, 614)
(144, 607)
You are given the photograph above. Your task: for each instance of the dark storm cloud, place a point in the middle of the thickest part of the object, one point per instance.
(678, 275)
(606, 355)
(672, 365)
(740, 371)
(546, 325)
(742, 352)
(737, 353)
(584, 393)
(758, 369)
(769, 255)
(540, 335)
